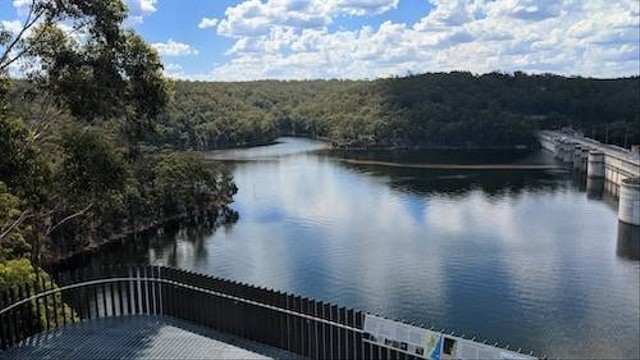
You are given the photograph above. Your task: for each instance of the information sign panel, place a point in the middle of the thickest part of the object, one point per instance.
(429, 344)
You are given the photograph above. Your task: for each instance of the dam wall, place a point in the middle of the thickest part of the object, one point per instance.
(609, 169)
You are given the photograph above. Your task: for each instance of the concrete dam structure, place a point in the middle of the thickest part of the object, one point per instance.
(610, 162)
(608, 168)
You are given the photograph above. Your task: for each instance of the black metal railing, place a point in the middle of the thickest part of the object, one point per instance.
(304, 326)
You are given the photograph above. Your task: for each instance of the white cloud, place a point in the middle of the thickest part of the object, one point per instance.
(12, 26)
(255, 18)
(174, 48)
(207, 23)
(361, 7)
(21, 3)
(290, 39)
(172, 67)
(532, 10)
(22, 6)
(147, 6)
(173, 70)
(138, 9)
(446, 13)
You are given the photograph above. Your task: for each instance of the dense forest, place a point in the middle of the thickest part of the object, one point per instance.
(74, 171)
(456, 109)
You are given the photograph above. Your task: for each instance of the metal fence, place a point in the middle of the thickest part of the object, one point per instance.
(313, 329)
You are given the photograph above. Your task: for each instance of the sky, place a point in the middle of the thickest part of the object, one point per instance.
(225, 40)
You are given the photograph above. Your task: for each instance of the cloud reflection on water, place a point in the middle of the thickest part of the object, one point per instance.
(521, 256)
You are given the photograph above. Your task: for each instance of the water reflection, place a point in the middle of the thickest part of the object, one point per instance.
(579, 180)
(628, 241)
(171, 245)
(513, 256)
(459, 183)
(595, 188)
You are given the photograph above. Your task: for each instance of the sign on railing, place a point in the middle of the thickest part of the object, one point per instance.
(427, 344)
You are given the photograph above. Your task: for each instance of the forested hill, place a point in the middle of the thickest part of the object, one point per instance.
(429, 110)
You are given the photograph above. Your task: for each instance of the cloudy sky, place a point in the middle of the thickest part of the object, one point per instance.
(296, 39)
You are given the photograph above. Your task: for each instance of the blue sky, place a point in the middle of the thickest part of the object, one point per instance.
(301, 39)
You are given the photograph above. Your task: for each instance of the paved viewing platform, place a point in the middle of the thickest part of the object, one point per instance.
(140, 337)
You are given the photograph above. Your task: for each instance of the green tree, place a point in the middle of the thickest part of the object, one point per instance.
(96, 73)
(13, 244)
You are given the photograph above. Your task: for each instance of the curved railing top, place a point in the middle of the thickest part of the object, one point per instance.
(264, 315)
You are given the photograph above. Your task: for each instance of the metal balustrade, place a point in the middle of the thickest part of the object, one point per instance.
(313, 329)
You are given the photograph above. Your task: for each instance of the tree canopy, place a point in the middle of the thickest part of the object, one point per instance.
(429, 110)
(73, 173)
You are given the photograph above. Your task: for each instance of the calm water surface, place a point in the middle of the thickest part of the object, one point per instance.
(523, 257)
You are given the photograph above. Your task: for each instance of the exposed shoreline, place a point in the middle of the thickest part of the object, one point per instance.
(453, 166)
(344, 146)
(338, 146)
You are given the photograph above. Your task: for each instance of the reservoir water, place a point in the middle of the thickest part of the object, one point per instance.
(519, 256)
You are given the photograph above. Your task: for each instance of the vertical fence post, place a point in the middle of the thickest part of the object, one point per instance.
(146, 302)
(274, 319)
(11, 329)
(155, 287)
(96, 300)
(47, 316)
(149, 290)
(328, 338)
(289, 327)
(86, 292)
(4, 331)
(316, 332)
(126, 286)
(310, 341)
(358, 343)
(159, 283)
(282, 320)
(306, 327)
(77, 296)
(335, 317)
(36, 318)
(297, 325)
(214, 303)
(119, 273)
(111, 289)
(160, 289)
(175, 297)
(169, 294)
(136, 289)
(350, 338)
(105, 307)
(142, 289)
(25, 325)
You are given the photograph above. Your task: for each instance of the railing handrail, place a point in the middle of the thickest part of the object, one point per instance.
(176, 283)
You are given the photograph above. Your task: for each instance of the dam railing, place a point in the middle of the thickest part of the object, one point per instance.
(310, 328)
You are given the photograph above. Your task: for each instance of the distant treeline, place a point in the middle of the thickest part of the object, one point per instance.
(456, 109)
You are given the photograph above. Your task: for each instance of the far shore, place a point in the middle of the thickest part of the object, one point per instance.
(454, 166)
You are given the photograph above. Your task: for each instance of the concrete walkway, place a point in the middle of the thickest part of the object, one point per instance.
(140, 337)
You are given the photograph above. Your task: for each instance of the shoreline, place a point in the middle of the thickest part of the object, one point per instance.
(343, 146)
(453, 166)
(430, 147)
(220, 216)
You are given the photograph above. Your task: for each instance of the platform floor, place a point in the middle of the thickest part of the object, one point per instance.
(140, 337)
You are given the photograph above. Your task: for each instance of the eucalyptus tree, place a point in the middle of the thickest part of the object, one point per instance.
(82, 65)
